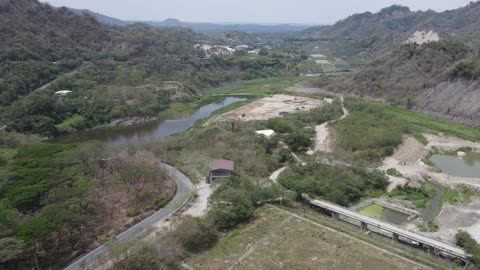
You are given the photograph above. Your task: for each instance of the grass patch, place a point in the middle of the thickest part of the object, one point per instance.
(177, 110)
(72, 124)
(467, 193)
(451, 196)
(369, 133)
(429, 227)
(394, 172)
(257, 87)
(428, 124)
(429, 162)
(418, 196)
(373, 211)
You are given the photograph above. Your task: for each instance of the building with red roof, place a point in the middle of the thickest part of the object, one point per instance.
(220, 169)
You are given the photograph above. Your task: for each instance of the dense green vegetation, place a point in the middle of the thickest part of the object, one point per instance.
(369, 133)
(420, 197)
(341, 185)
(421, 123)
(57, 198)
(140, 78)
(466, 241)
(41, 186)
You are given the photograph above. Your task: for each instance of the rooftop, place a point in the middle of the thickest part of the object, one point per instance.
(221, 164)
(267, 133)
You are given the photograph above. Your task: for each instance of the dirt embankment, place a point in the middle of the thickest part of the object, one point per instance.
(454, 218)
(459, 101)
(407, 160)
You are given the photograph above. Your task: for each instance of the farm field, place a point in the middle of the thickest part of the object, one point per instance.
(278, 240)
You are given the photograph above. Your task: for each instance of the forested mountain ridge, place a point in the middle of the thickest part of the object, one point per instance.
(35, 31)
(131, 71)
(388, 28)
(423, 60)
(439, 78)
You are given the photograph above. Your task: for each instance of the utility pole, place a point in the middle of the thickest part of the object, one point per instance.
(36, 256)
(165, 158)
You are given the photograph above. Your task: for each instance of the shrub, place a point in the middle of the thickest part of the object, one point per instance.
(197, 234)
(465, 240)
(285, 156)
(232, 206)
(394, 172)
(299, 142)
(339, 185)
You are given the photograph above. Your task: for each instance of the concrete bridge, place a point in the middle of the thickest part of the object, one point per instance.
(432, 245)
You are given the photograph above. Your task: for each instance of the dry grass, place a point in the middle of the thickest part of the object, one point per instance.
(121, 204)
(277, 240)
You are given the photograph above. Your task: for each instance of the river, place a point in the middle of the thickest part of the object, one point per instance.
(146, 131)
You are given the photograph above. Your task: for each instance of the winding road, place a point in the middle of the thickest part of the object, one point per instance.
(182, 196)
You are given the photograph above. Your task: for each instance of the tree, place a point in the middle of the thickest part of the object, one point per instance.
(9, 219)
(471, 246)
(197, 234)
(299, 142)
(11, 249)
(231, 206)
(136, 176)
(136, 257)
(285, 156)
(409, 100)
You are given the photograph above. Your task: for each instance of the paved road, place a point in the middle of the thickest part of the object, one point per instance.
(184, 187)
(49, 83)
(391, 228)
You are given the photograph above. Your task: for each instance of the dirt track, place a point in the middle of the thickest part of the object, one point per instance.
(325, 141)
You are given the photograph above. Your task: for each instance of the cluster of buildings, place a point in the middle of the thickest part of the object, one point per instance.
(215, 49)
(210, 50)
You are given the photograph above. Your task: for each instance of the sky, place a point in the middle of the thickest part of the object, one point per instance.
(252, 11)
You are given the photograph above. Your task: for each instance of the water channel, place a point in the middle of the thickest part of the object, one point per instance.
(146, 131)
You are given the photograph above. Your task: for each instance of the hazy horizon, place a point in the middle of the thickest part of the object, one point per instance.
(264, 12)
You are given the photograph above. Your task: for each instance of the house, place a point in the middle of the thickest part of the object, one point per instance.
(220, 169)
(254, 51)
(63, 92)
(268, 133)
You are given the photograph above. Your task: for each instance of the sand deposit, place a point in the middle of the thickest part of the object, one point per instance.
(269, 107)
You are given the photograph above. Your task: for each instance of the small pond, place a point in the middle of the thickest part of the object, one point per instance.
(386, 214)
(468, 166)
(145, 131)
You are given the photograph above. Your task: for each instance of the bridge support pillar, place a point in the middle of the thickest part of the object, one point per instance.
(395, 237)
(431, 250)
(364, 226)
(335, 215)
